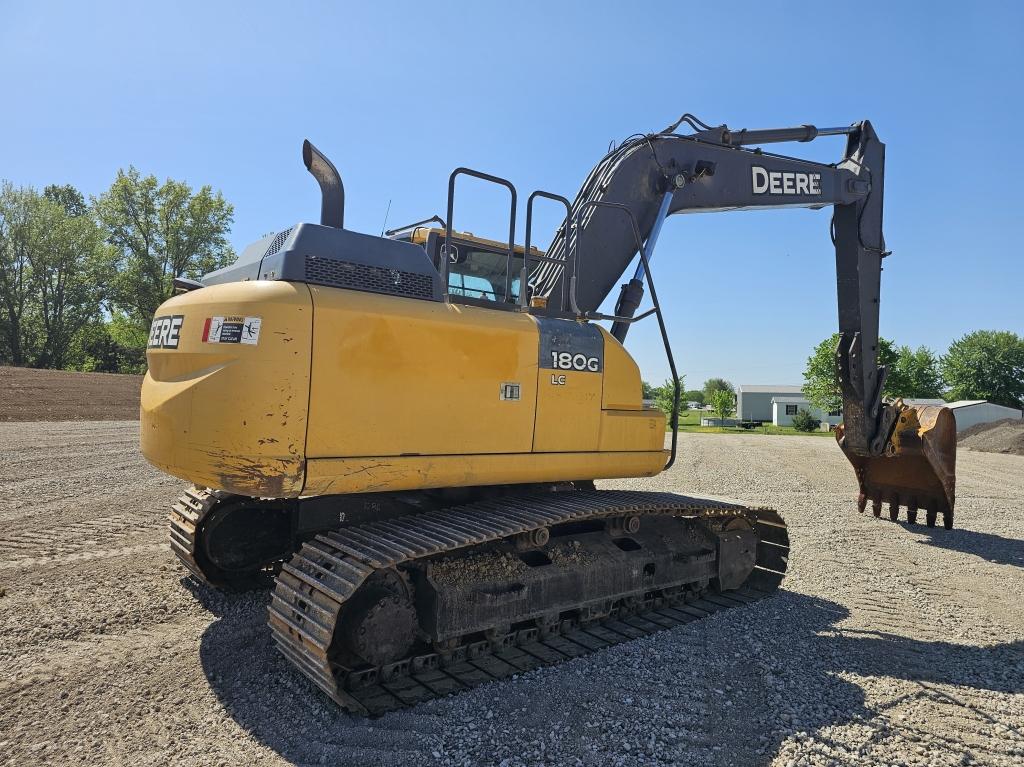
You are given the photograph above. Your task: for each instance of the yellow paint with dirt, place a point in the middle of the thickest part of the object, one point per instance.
(347, 391)
(232, 415)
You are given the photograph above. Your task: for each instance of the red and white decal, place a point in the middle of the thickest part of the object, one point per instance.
(232, 330)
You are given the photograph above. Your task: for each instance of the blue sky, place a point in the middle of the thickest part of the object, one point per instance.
(398, 94)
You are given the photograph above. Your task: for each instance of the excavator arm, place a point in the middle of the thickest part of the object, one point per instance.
(903, 456)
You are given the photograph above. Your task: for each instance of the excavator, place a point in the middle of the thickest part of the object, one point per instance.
(400, 434)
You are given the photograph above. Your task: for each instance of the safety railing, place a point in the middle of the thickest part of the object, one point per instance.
(523, 279)
(572, 265)
(446, 250)
(656, 310)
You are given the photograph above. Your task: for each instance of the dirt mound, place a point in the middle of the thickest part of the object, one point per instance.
(61, 395)
(1006, 436)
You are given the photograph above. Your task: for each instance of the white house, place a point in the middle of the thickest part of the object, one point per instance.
(969, 412)
(754, 401)
(784, 408)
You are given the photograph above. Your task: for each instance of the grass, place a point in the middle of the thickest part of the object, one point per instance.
(689, 421)
(769, 429)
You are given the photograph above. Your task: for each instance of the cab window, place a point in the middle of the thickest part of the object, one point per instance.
(478, 272)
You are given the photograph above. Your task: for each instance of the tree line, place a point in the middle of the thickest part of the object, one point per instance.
(983, 365)
(81, 279)
(717, 392)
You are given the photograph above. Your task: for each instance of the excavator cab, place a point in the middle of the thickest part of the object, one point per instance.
(479, 270)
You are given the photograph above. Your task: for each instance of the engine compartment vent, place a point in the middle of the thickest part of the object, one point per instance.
(278, 242)
(376, 279)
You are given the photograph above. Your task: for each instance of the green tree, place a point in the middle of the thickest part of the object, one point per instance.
(159, 232)
(915, 374)
(723, 401)
(67, 271)
(716, 384)
(647, 391)
(694, 395)
(821, 379)
(804, 421)
(15, 273)
(115, 346)
(664, 395)
(68, 198)
(986, 364)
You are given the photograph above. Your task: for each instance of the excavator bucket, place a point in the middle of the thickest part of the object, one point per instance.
(917, 468)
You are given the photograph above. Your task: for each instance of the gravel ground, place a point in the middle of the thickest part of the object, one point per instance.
(1006, 436)
(887, 645)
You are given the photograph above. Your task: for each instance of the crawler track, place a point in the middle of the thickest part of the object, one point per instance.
(185, 522)
(313, 586)
(187, 514)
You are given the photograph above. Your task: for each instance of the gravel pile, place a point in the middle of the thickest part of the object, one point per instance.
(485, 566)
(888, 644)
(1006, 436)
(570, 554)
(502, 565)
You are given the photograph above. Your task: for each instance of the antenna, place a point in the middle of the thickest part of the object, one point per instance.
(386, 214)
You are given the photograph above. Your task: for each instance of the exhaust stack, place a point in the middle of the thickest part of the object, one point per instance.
(332, 191)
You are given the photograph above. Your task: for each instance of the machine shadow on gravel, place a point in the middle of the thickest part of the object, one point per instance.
(804, 648)
(991, 548)
(264, 694)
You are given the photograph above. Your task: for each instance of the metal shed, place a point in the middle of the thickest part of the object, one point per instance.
(969, 412)
(784, 408)
(754, 401)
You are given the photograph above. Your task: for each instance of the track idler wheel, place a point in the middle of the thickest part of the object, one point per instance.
(227, 541)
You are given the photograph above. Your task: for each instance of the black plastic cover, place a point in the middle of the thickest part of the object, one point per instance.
(339, 258)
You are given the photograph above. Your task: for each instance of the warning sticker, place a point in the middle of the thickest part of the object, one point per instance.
(232, 330)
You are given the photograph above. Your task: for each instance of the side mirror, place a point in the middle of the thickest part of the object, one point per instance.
(452, 251)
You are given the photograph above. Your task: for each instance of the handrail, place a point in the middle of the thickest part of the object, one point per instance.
(654, 298)
(523, 300)
(416, 225)
(443, 260)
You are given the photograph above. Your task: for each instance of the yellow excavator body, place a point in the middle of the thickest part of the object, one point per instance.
(339, 391)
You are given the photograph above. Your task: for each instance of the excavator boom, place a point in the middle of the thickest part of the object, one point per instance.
(651, 176)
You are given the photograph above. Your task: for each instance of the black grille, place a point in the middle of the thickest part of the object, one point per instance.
(278, 242)
(376, 279)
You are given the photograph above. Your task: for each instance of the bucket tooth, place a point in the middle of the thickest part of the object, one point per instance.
(894, 508)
